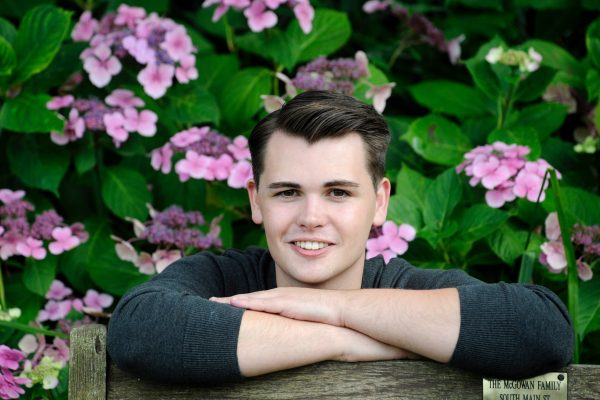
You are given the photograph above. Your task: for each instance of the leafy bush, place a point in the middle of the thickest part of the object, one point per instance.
(122, 140)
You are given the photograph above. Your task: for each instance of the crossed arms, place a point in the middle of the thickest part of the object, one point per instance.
(290, 327)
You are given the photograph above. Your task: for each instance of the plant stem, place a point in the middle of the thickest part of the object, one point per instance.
(229, 35)
(2, 296)
(573, 280)
(32, 329)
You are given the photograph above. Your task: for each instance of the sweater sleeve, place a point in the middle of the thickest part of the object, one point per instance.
(507, 330)
(168, 330)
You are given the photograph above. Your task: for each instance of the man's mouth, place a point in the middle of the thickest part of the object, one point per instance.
(311, 245)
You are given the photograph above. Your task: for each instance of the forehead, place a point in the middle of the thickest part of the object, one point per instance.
(288, 157)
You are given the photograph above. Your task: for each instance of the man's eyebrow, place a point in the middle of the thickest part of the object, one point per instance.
(281, 185)
(341, 183)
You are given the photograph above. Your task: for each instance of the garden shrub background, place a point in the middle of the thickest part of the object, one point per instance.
(450, 93)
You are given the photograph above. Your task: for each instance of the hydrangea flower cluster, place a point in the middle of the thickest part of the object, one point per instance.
(118, 115)
(61, 302)
(503, 170)
(390, 240)
(172, 232)
(585, 239)
(260, 13)
(338, 75)
(421, 28)
(10, 386)
(20, 237)
(160, 44)
(209, 155)
(526, 61)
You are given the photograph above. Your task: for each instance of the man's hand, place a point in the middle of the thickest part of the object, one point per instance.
(325, 306)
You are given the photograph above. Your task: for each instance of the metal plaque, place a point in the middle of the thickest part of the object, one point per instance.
(550, 386)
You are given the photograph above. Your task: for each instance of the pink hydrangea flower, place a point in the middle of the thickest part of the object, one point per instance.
(32, 248)
(189, 136)
(85, 28)
(272, 103)
(143, 122)
(186, 70)
(239, 148)
(163, 258)
(96, 301)
(115, 126)
(64, 240)
(59, 102)
(74, 129)
(145, 263)
(195, 166)
(54, 310)
(161, 159)
(305, 14)
(123, 98)
(380, 94)
(219, 168)
(177, 43)
(127, 15)
(9, 385)
(240, 174)
(58, 291)
(59, 351)
(392, 241)
(372, 6)
(259, 18)
(552, 228)
(101, 65)
(8, 196)
(139, 49)
(10, 358)
(156, 79)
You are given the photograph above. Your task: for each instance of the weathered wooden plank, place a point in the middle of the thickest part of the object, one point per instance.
(373, 380)
(87, 369)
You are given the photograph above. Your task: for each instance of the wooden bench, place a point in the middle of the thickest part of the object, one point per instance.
(92, 378)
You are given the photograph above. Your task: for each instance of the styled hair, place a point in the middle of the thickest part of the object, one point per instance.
(317, 115)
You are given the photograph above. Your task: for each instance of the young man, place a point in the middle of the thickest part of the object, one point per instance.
(318, 188)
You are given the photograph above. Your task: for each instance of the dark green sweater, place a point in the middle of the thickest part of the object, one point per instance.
(167, 330)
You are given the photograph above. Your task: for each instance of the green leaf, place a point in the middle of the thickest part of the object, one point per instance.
(158, 6)
(449, 97)
(8, 31)
(222, 196)
(487, 4)
(85, 155)
(588, 318)
(125, 192)
(413, 186)
(330, 31)
(272, 45)
(592, 42)
(191, 104)
(61, 68)
(37, 162)
(40, 34)
(169, 190)
(554, 56)
(376, 77)
(442, 197)
(507, 243)
(16, 114)
(437, 140)
(545, 4)
(39, 274)
(534, 85)
(592, 84)
(403, 210)
(240, 98)
(98, 257)
(580, 206)
(479, 221)
(70, 265)
(215, 71)
(546, 118)
(8, 59)
(525, 135)
(484, 77)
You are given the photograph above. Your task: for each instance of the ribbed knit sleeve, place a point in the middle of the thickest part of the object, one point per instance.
(506, 330)
(168, 330)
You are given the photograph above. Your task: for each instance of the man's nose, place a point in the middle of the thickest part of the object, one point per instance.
(312, 214)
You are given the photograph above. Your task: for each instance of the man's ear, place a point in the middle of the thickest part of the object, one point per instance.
(254, 203)
(382, 200)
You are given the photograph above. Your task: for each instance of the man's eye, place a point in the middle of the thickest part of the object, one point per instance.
(339, 193)
(287, 193)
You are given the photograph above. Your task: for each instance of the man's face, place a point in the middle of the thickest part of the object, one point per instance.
(317, 204)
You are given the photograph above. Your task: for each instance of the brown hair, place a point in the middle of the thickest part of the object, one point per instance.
(316, 115)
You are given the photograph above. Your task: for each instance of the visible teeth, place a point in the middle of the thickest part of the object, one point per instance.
(311, 245)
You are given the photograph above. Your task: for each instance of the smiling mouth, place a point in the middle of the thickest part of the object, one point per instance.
(311, 245)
